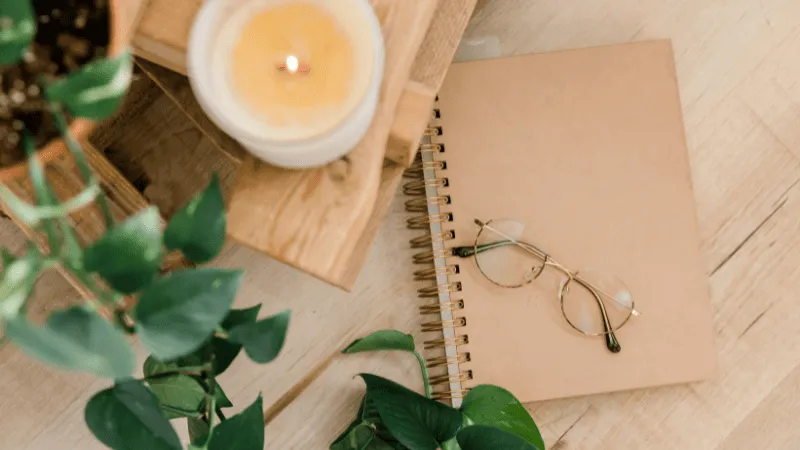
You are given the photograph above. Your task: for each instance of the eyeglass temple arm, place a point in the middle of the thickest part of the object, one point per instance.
(612, 343)
(468, 251)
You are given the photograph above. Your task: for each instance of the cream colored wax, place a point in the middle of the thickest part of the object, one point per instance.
(292, 65)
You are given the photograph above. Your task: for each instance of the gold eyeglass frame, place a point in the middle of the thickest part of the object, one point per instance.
(612, 343)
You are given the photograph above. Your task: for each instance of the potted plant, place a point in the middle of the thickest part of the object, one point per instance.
(183, 318)
(392, 417)
(57, 46)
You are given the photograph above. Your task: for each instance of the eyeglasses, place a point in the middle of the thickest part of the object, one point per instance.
(593, 303)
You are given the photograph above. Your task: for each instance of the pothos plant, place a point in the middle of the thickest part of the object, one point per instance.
(184, 319)
(392, 417)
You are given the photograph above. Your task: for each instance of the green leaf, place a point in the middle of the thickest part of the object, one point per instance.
(177, 313)
(262, 340)
(225, 351)
(495, 406)
(346, 432)
(17, 30)
(198, 229)
(95, 90)
(356, 437)
(18, 280)
(127, 417)
(44, 195)
(198, 431)
(244, 431)
(238, 317)
(382, 340)
(178, 393)
(222, 400)
(379, 444)
(152, 366)
(368, 413)
(484, 437)
(75, 339)
(129, 255)
(417, 422)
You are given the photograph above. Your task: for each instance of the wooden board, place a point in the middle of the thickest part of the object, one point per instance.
(738, 71)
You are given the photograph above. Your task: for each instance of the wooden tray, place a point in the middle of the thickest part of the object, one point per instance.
(323, 221)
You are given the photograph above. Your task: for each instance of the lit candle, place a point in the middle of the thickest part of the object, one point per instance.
(295, 81)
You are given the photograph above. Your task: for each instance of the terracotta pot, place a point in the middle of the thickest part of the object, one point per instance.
(79, 128)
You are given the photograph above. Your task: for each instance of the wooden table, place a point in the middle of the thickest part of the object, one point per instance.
(740, 80)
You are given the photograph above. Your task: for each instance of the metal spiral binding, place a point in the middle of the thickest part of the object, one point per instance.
(435, 243)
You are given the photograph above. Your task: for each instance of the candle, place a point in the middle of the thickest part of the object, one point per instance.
(295, 81)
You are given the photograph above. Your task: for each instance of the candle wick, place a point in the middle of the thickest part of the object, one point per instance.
(293, 66)
(292, 63)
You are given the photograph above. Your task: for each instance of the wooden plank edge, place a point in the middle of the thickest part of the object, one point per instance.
(160, 53)
(391, 176)
(413, 115)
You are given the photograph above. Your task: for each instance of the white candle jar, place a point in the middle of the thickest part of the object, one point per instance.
(325, 133)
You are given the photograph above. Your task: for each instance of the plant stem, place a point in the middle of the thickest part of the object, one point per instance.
(105, 297)
(49, 263)
(80, 161)
(185, 412)
(192, 370)
(32, 215)
(52, 237)
(122, 320)
(221, 333)
(220, 414)
(44, 195)
(71, 249)
(426, 379)
(212, 403)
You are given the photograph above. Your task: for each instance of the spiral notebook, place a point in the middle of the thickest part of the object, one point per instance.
(587, 148)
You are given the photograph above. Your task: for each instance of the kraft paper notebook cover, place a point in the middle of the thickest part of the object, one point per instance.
(587, 149)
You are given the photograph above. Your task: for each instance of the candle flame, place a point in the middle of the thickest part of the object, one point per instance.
(292, 64)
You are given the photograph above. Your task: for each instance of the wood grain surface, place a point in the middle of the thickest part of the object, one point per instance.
(740, 82)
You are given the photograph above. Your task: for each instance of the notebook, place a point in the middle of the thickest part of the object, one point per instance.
(587, 149)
